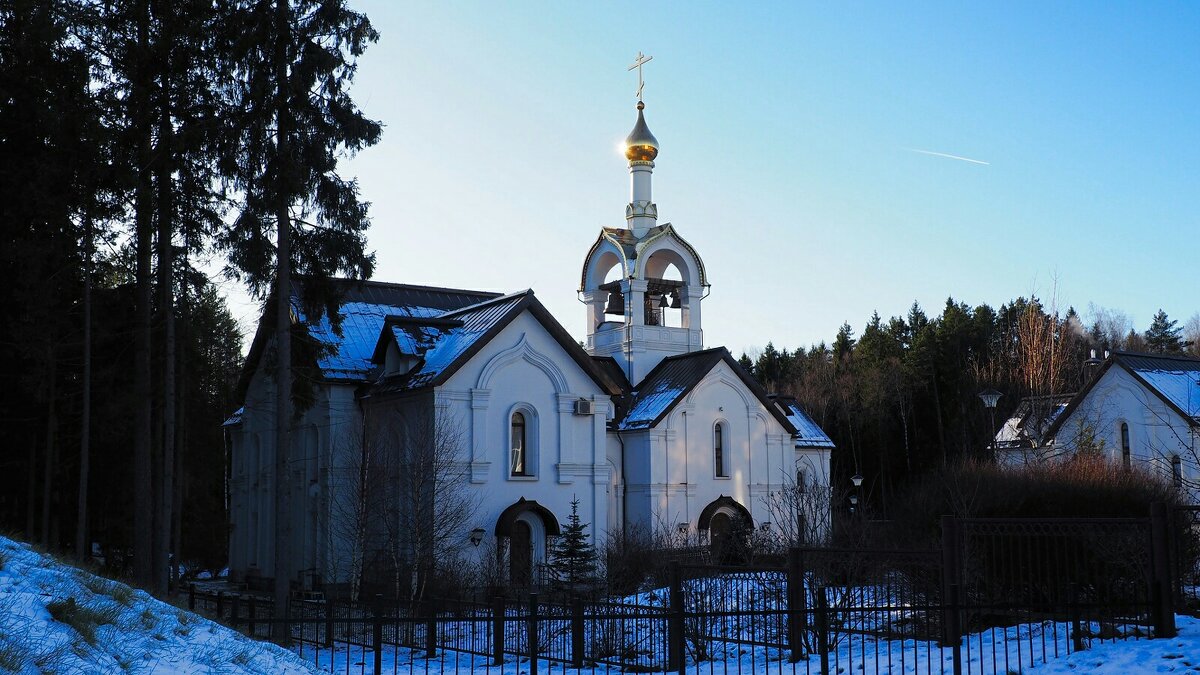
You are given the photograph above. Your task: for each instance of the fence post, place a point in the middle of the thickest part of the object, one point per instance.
(329, 610)
(1073, 613)
(220, 605)
(430, 629)
(498, 629)
(954, 629)
(676, 660)
(233, 612)
(797, 612)
(532, 633)
(950, 576)
(577, 632)
(1164, 608)
(823, 628)
(377, 633)
(250, 612)
(191, 597)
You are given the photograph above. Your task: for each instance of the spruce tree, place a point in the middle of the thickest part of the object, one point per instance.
(572, 556)
(1164, 336)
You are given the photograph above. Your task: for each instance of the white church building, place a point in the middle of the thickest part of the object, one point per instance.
(646, 427)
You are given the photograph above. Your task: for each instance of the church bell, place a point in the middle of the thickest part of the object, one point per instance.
(616, 303)
(675, 302)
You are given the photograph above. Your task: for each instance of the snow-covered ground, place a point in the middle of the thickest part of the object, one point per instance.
(56, 618)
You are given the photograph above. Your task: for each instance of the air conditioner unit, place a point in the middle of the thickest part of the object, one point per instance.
(584, 407)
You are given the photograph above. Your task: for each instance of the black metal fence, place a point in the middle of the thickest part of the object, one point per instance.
(999, 596)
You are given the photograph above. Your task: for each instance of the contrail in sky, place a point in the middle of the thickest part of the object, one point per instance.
(942, 154)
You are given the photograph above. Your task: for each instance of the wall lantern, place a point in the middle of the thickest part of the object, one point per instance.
(857, 479)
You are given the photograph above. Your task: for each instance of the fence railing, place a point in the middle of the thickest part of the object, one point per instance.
(1000, 595)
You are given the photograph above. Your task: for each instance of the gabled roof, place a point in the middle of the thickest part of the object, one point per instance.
(445, 342)
(365, 305)
(1030, 421)
(808, 433)
(1175, 380)
(675, 377)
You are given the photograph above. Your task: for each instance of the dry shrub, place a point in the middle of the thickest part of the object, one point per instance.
(1083, 487)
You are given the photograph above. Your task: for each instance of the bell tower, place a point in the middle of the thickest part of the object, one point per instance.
(642, 283)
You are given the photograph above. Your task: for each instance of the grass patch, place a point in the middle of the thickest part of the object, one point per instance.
(13, 658)
(242, 658)
(4, 559)
(147, 617)
(84, 618)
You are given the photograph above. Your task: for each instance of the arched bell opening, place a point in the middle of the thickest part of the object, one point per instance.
(664, 299)
(669, 276)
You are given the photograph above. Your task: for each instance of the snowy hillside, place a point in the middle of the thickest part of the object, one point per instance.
(55, 618)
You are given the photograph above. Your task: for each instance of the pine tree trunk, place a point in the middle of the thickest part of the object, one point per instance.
(181, 426)
(143, 483)
(82, 550)
(51, 427)
(166, 286)
(31, 494)
(283, 323)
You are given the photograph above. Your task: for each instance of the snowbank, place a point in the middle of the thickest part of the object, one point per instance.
(57, 618)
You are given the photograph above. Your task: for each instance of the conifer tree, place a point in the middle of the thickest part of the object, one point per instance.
(292, 64)
(1164, 336)
(572, 556)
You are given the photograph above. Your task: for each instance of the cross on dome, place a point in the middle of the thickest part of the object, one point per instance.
(640, 61)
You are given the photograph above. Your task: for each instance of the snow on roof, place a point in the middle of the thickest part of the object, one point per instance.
(234, 419)
(808, 433)
(364, 311)
(453, 343)
(1030, 421)
(1175, 378)
(670, 380)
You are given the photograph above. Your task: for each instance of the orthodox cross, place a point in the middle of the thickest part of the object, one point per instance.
(641, 60)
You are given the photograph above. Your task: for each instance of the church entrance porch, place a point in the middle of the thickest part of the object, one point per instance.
(522, 534)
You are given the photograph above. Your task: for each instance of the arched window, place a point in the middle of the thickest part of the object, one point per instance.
(1126, 453)
(1177, 471)
(518, 446)
(719, 450)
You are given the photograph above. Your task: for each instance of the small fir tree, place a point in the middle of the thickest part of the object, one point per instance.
(572, 556)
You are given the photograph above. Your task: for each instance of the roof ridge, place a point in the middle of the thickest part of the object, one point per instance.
(1153, 355)
(393, 284)
(486, 303)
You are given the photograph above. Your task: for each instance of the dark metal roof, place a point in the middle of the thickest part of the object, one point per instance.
(1029, 422)
(675, 377)
(450, 346)
(809, 434)
(363, 310)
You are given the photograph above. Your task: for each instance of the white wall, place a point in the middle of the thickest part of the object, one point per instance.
(671, 469)
(326, 429)
(524, 368)
(1156, 432)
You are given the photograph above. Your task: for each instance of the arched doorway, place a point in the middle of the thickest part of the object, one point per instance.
(520, 552)
(522, 531)
(718, 533)
(727, 523)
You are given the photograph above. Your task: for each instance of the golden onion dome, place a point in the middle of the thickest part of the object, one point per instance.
(640, 144)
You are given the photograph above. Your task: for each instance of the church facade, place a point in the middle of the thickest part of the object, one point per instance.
(485, 402)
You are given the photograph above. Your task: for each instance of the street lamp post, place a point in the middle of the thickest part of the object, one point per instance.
(990, 398)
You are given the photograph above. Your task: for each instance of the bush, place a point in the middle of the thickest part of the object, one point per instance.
(1082, 487)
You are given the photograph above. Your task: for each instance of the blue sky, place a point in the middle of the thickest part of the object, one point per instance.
(788, 135)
